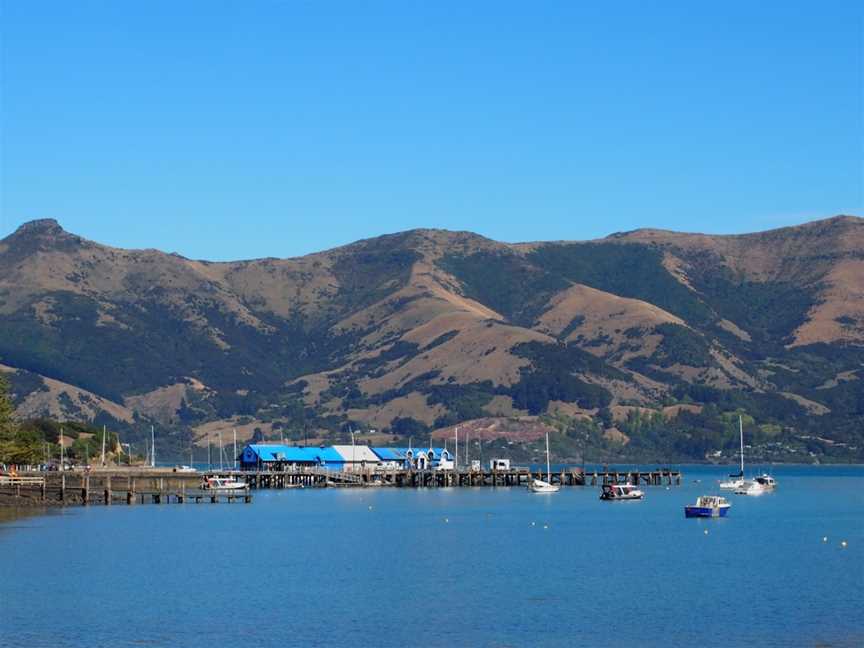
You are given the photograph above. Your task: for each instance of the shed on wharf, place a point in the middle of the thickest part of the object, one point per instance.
(273, 457)
(356, 457)
(279, 458)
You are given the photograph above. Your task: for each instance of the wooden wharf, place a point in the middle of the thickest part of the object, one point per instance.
(114, 487)
(162, 486)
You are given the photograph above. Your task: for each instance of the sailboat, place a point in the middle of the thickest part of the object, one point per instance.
(540, 486)
(737, 481)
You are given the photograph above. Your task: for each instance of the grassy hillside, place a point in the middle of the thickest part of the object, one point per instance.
(416, 331)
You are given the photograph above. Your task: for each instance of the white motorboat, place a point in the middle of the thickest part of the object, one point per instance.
(620, 492)
(224, 484)
(766, 481)
(737, 481)
(750, 487)
(540, 486)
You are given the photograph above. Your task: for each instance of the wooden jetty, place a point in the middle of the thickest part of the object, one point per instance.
(113, 487)
(162, 486)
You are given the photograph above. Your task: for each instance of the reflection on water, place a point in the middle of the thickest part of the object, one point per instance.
(10, 515)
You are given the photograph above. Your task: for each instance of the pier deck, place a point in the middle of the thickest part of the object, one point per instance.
(129, 486)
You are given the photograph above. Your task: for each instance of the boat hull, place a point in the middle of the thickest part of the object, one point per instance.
(705, 511)
(539, 486)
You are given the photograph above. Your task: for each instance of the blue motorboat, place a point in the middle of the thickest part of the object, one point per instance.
(708, 506)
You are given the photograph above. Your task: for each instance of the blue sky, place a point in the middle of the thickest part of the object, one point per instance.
(227, 130)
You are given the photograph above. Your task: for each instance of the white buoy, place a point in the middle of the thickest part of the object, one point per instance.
(533, 523)
(706, 531)
(545, 526)
(446, 519)
(370, 508)
(824, 538)
(843, 544)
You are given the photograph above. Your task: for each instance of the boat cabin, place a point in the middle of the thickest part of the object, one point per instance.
(620, 492)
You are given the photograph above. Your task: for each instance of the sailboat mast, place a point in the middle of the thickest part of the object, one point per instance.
(103, 445)
(741, 433)
(234, 460)
(548, 465)
(152, 447)
(457, 448)
(221, 464)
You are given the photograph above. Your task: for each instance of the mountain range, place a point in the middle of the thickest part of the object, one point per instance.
(647, 343)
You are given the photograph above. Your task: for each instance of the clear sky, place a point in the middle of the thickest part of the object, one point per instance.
(242, 129)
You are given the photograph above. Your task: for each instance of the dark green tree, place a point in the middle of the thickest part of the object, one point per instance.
(8, 427)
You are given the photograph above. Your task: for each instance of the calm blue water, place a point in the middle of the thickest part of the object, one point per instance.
(476, 567)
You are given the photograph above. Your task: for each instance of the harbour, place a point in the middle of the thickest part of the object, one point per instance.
(513, 567)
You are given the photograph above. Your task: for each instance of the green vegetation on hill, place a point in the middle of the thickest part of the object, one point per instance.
(681, 345)
(550, 377)
(628, 270)
(769, 311)
(505, 282)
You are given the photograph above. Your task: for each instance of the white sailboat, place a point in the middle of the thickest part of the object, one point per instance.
(540, 486)
(737, 481)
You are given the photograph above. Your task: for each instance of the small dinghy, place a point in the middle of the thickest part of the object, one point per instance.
(708, 506)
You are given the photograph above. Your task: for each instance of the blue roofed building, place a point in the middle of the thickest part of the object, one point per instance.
(392, 458)
(261, 456)
(421, 458)
(329, 457)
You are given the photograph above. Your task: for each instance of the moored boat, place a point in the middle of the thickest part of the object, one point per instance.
(620, 492)
(708, 506)
(757, 486)
(540, 486)
(737, 480)
(766, 481)
(224, 484)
